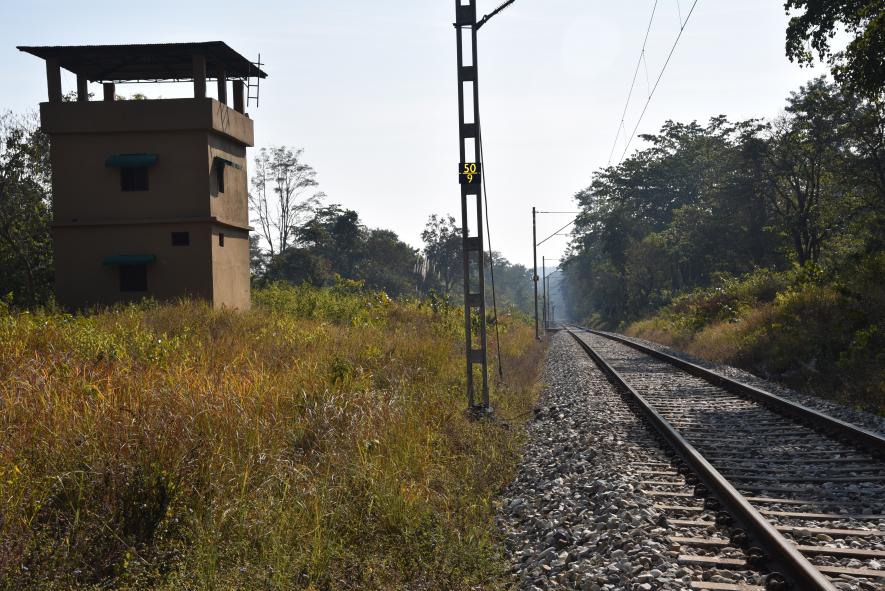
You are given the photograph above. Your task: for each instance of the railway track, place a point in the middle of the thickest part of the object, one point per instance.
(800, 494)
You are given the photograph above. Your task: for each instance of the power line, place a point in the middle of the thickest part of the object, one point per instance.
(658, 81)
(633, 83)
(556, 233)
(485, 192)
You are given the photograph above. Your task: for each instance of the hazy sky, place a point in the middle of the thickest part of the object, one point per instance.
(369, 88)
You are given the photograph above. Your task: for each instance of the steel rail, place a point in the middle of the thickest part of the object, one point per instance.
(828, 425)
(780, 551)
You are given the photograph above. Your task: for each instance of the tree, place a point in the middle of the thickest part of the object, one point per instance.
(335, 234)
(670, 218)
(803, 150)
(333, 243)
(258, 258)
(283, 196)
(866, 139)
(389, 264)
(861, 66)
(442, 249)
(25, 211)
(513, 284)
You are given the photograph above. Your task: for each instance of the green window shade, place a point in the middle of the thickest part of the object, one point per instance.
(131, 160)
(219, 161)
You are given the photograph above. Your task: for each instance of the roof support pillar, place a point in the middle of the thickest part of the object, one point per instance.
(222, 86)
(82, 88)
(53, 80)
(110, 91)
(199, 76)
(239, 95)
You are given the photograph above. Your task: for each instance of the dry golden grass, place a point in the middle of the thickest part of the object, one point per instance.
(821, 339)
(720, 342)
(316, 442)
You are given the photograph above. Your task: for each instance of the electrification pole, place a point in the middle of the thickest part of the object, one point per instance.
(547, 300)
(470, 178)
(535, 245)
(470, 175)
(535, 272)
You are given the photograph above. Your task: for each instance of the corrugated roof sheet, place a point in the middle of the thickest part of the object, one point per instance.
(149, 61)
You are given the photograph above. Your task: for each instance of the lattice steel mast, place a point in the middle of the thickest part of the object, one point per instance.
(470, 175)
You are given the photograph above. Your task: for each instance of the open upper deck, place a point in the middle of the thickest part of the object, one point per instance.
(155, 62)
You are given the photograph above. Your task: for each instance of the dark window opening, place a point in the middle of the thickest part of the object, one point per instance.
(221, 240)
(219, 176)
(181, 238)
(134, 178)
(133, 278)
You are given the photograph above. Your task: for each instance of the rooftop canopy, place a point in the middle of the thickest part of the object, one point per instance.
(154, 61)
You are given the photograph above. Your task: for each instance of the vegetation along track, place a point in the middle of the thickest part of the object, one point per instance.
(803, 493)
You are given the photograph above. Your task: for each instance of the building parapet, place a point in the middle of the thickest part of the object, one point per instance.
(147, 115)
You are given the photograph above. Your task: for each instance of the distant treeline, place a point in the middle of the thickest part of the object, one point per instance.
(706, 202)
(300, 240)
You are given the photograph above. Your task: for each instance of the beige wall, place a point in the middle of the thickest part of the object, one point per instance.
(85, 189)
(149, 115)
(230, 269)
(94, 219)
(83, 280)
(232, 206)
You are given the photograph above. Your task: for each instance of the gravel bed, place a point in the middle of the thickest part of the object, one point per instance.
(576, 516)
(699, 409)
(860, 418)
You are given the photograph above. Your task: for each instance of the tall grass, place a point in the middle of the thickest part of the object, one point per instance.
(315, 442)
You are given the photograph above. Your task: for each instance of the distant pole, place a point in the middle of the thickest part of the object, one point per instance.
(535, 272)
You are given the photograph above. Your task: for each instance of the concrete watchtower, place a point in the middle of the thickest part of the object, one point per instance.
(149, 196)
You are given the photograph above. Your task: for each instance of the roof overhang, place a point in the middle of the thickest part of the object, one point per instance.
(147, 62)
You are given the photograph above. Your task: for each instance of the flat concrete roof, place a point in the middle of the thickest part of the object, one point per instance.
(153, 61)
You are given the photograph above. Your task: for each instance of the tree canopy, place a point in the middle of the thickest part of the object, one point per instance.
(25, 212)
(861, 65)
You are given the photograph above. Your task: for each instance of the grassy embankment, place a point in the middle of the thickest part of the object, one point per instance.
(316, 442)
(823, 333)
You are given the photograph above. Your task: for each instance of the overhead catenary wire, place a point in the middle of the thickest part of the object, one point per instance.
(658, 81)
(491, 261)
(557, 232)
(633, 83)
(485, 193)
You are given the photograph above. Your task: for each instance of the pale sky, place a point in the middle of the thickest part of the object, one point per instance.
(369, 89)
